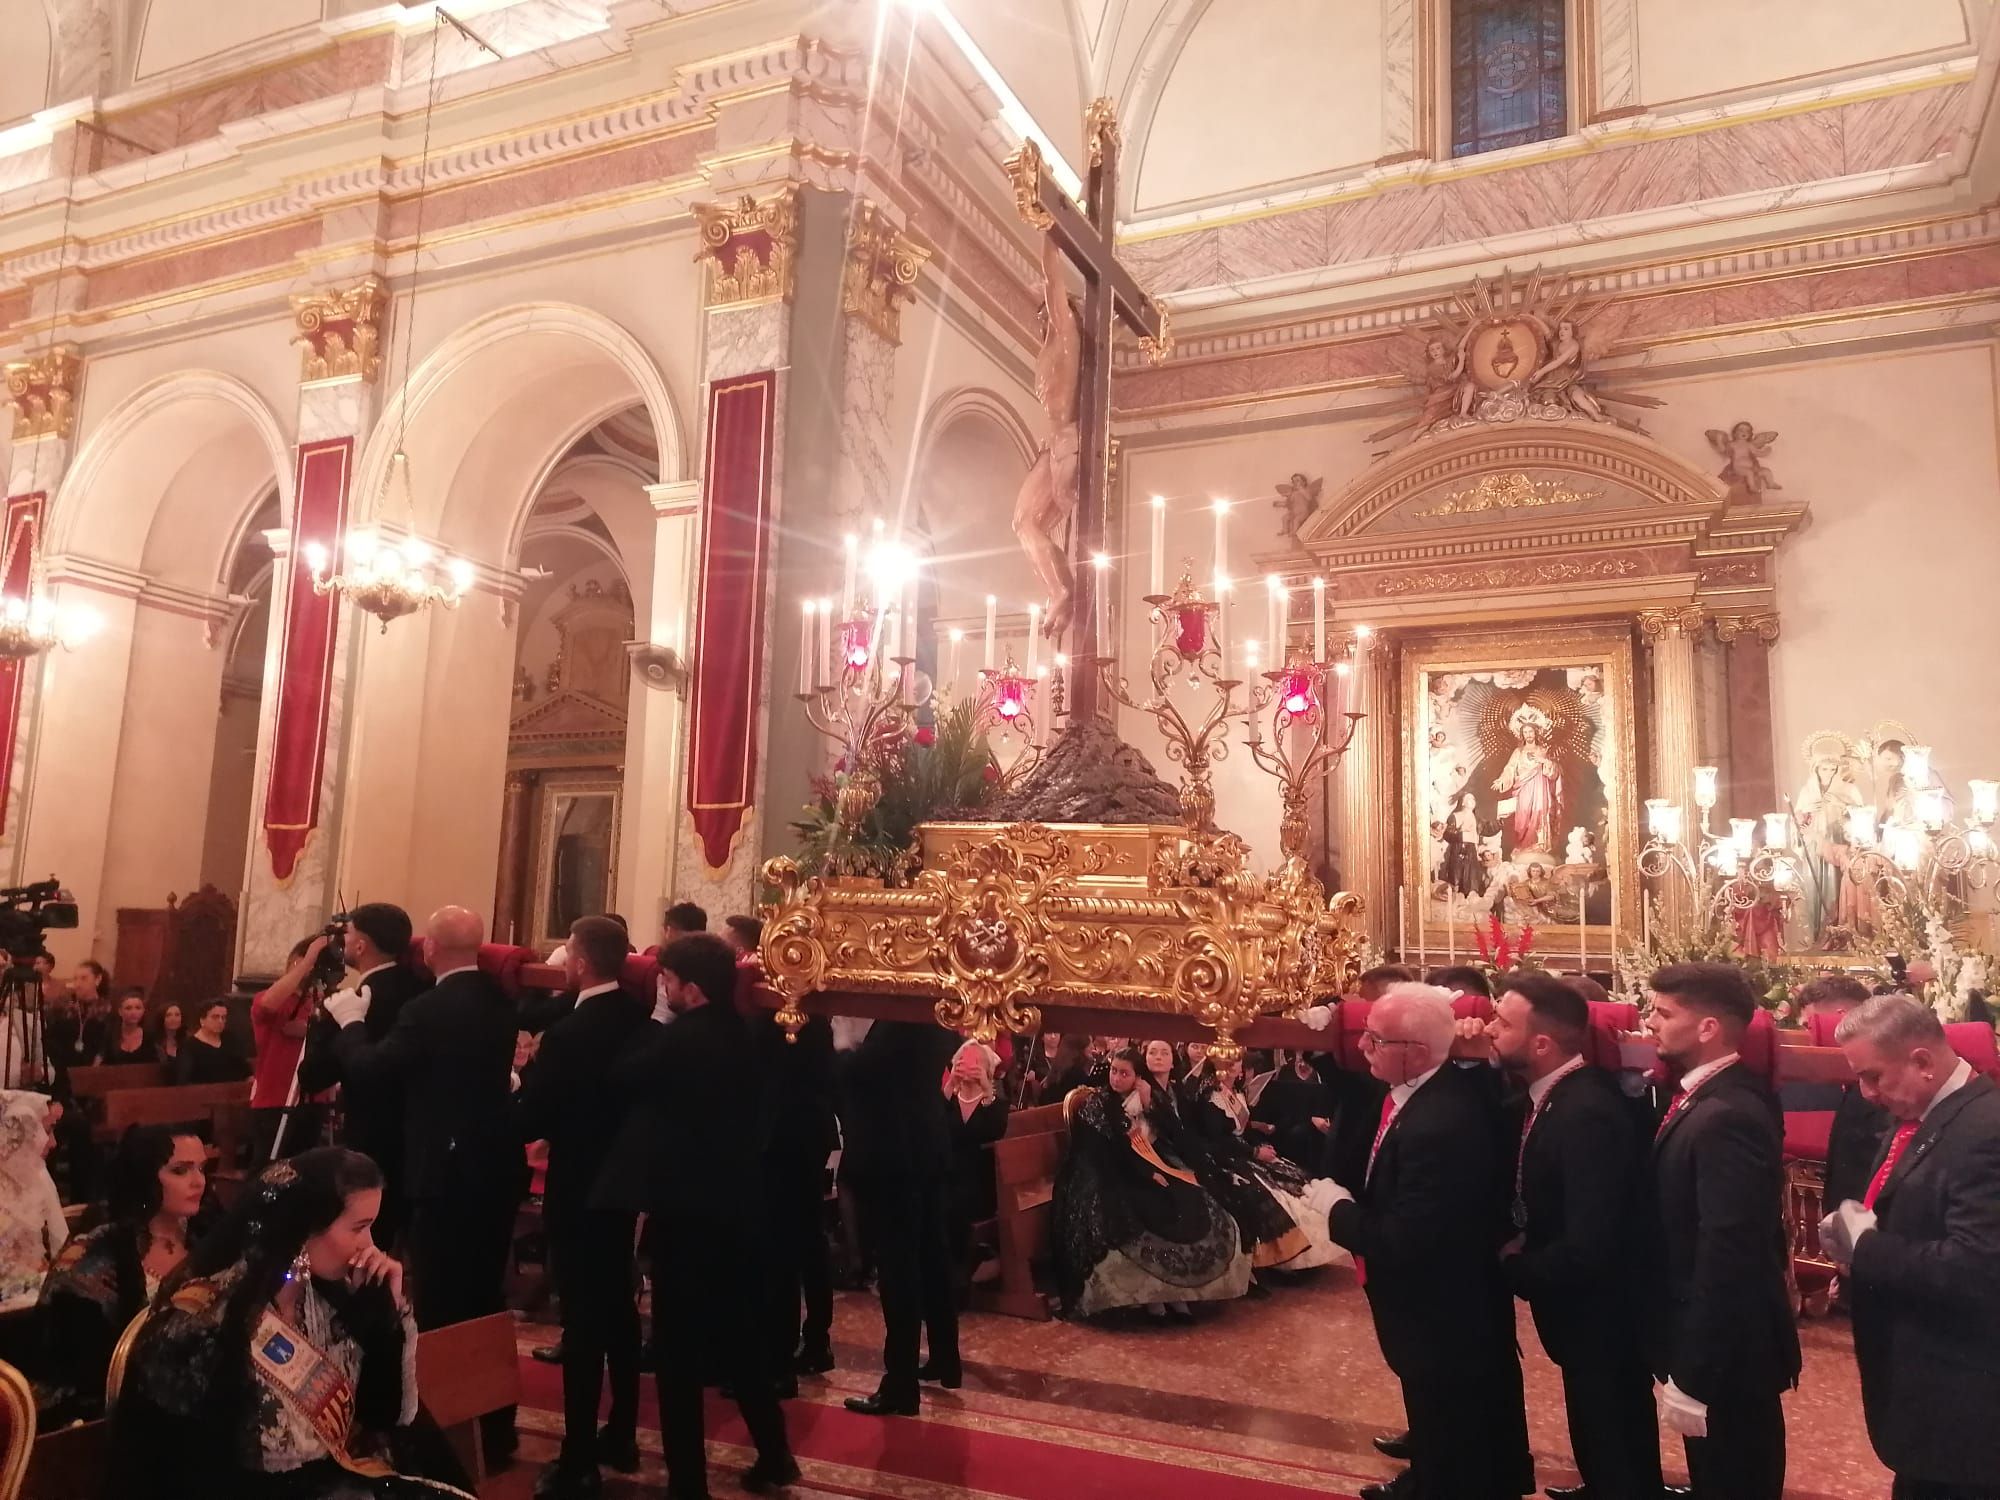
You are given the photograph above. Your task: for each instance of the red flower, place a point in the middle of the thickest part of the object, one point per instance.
(991, 774)
(926, 736)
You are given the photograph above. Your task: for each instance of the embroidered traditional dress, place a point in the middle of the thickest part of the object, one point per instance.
(1308, 1200)
(97, 1286)
(1132, 1224)
(32, 1227)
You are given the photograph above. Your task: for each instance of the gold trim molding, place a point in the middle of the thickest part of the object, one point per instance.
(340, 332)
(751, 249)
(41, 391)
(881, 272)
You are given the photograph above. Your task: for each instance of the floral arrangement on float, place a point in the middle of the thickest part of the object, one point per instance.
(1500, 953)
(1711, 938)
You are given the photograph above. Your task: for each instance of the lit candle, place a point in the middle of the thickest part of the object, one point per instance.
(1221, 538)
(1100, 636)
(827, 647)
(1158, 576)
(1403, 923)
(1319, 620)
(1034, 636)
(811, 609)
(1250, 663)
(1041, 698)
(851, 545)
(951, 667)
(992, 604)
(1362, 636)
(1275, 586)
(1222, 624)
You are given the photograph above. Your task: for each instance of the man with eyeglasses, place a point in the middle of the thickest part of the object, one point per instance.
(1425, 1228)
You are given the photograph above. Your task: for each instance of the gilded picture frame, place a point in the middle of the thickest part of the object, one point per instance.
(562, 797)
(1519, 791)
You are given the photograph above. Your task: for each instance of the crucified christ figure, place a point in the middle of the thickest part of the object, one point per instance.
(1048, 495)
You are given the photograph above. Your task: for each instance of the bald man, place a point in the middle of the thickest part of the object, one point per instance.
(451, 1052)
(1426, 1224)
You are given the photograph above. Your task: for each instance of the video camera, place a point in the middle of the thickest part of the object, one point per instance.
(331, 968)
(28, 911)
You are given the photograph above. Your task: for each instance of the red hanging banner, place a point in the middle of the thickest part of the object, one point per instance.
(729, 635)
(305, 662)
(17, 565)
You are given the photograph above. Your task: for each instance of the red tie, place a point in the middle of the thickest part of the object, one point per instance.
(1673, 1108)
(1897, 1142)
(1381, 1129)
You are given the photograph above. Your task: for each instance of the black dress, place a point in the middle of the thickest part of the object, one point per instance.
(1270, 1234)
(114, 1056)
(971, 1186)
(203, 1062)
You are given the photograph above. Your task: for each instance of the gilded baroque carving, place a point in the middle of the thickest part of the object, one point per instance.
(42, 392)
(1762, 626)
(1024, 170)
(1510, 351)
(339, 333)
(1506, 576)
(881, 273)
(1682, 622)
(1508, 492)
(750, 248)
(1100, 128)
(1747, 570)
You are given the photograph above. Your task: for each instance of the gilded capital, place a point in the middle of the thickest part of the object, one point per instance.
(1762, 626)
(340, 332)
(1683, 622)
(1100, 129)
(881, 273)
(42, 392)
(750, 248)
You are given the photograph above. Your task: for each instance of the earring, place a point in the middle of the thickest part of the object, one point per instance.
(301, 1266)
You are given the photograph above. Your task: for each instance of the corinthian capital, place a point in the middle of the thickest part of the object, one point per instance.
(1762, 626)
(1683, 622)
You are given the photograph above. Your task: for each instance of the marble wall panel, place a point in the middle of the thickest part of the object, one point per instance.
(198, 114)
(1275, 246)
(1879, 133)
(1952, 275)
(516, 192)
(1179, 262)
(1770, 153)
(1859, 286)
(1632, 179)
(165, 273)
(1756, 302)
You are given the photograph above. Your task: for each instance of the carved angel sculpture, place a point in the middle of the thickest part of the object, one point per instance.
(1296, 502)
(1743, 449)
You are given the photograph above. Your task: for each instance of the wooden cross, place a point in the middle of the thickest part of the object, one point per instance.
(1110, 295)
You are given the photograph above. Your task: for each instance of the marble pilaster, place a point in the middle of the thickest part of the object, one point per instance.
(1746, 641)
(1404, 82)
(657, 717)
(1671, 633)
(1612, 87)
(1368, 795)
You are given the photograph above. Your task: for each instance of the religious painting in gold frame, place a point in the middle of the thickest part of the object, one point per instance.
(575, 856)
(1519, 791)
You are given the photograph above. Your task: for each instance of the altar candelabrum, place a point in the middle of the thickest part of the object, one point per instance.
(1932, 858)
(1005, 705)
(866, 711)
(1727, 875)
(1187, 643)
(1299, 745)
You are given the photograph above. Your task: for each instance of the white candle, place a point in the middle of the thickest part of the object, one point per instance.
(851, 545)
(1319, 619)
(811, 609)
(1402, 924)
(1158, 576)
(992, 605)
(1222, 624)
(1274, 631)
(1221, 538)
(951, 667)
(876, 642)
(1362, 636)
(1100, 565)
(1450, 931)
(1041, 697)
(1250, 665)
(1034, 636)
(829, 645)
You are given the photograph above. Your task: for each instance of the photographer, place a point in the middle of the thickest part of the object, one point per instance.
(279, 1019)
(375, 944)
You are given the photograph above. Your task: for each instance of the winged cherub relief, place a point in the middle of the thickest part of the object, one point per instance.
(1296, 502)
(1743, 450)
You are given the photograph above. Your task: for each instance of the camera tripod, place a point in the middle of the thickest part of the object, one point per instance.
(23, 1044)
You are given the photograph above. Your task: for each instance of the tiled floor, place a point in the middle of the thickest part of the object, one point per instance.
(1289, 1389)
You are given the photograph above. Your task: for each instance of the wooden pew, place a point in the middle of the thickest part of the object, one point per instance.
(464, 1371)
(70, 1463)
(188, 1103)
(96, 1082)
(1025, 1160)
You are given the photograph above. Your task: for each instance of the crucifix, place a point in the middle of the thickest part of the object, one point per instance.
(1073, 383)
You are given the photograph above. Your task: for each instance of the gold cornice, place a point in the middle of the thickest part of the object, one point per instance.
(881, 271)
(339, 332)
(749, 249)
(41, 391)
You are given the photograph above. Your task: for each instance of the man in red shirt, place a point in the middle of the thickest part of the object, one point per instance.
(279, 1017)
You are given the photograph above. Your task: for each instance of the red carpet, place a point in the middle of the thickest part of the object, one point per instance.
(957, 1450)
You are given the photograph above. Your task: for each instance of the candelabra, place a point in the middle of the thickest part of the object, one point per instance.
(866, 712)
(1187, 643)
(1733, 875)
(390, 574)
(1929, 856)
(1006, 703)
(1298, 691)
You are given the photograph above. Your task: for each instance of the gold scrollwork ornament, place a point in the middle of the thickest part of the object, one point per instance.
(989, 940)
(794, 943)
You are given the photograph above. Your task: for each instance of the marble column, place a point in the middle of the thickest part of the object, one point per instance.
(1368, 793)
(1753, 772)
(1671, 633)
(650, 863)
(337, 399)
(1609, 53)
(513, 855)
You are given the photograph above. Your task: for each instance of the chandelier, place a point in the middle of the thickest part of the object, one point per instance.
(392, 572)
(30, 621)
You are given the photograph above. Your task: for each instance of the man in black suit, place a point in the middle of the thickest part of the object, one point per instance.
(450, 1057)
(378, 946)
(1425, 1230)
(1723, 1343)
(896, 1160)
(565, 1100)
(798, 1132)
(1577, 1176)
(712, 1270)
(1923, 1246)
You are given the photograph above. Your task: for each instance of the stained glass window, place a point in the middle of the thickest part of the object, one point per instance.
(1506, 73)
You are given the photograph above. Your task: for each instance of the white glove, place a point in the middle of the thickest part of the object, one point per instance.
(1840, 1230)
(348, 1006)
(1682, 1412)
(1317, 1016)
